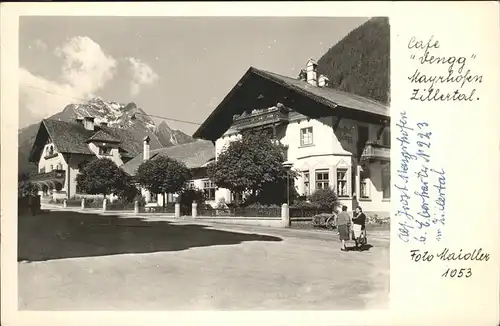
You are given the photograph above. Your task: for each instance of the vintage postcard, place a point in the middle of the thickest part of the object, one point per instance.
(312, 163)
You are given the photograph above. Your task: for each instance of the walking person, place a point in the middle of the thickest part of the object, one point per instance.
(343, 225)
(359, 227)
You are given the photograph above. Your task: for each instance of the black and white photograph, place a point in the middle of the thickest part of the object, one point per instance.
(203, 163)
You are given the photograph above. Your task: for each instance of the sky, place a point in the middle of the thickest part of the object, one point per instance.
(174, 67)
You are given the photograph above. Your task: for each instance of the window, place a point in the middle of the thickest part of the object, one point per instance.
(42, 169)
(307, 186)
(386, 137)
(322, 180)
(306, 136)
(364, 185)
(190, 184)
(51, 168)
(342, 183)
(104, 150)
(209, 190)
(386, 182)
(59, 166)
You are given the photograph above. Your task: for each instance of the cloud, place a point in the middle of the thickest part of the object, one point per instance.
(86, 69)
(142, 74)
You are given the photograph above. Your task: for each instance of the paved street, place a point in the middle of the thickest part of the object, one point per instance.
(76, 261)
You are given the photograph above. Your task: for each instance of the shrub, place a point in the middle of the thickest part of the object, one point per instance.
(94, 202)
(325, 198)
(259, 205)
(221, 204)
(187, 196)
(304, 204)
(140, 199)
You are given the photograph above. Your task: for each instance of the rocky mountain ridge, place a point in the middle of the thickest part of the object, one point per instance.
(127, 116)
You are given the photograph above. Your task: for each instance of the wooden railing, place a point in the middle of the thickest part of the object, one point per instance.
(52, 175)
(374, 151)
(261, 117)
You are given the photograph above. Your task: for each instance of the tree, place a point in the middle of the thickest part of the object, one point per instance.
(249, 164)
(359, 63)
(162, 175)
(188, 196)
(26, 189)
(125, 189)
(100, 176)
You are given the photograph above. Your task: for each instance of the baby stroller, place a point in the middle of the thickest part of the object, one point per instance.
(361, 238)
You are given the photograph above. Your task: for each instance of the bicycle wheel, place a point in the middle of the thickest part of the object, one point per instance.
(330, 223)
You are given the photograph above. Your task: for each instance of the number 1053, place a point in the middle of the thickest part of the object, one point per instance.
(457, 273)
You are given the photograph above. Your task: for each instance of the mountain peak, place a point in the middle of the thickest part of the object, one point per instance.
(163, 124)
(128, 116)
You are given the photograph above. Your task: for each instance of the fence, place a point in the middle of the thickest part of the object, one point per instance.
(74, 203)
(157, 209)
(296, 212)
(241, 212)
(119, 206)
(93, 203)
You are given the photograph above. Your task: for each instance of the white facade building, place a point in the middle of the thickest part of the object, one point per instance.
(335, 139)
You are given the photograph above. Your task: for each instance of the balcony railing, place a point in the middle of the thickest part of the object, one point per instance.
(374, 151)
(260, 117)
(54, 175)
(50, 155)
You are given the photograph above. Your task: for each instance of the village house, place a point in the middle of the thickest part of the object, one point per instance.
(335, 139)
(61, 149)
(195, 155)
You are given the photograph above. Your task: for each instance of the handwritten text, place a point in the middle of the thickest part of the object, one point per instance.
(421, 208)
(450, 77)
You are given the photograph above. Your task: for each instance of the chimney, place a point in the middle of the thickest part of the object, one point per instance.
(88, 123)
(303, 75)
(323, 81)
(145, 151)
(311, 72)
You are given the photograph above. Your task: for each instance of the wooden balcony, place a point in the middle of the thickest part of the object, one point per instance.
(57, 176)
(260, 118)
(376, 152)
(50, 155)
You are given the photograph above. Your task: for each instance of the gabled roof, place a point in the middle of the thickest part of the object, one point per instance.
(72, 138)
(259, 88)
(101, 136)
(195, 154)
(330, 96)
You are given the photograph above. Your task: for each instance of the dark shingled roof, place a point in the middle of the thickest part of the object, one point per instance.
(258, 88)
(103, 137)
(70, 137)
(194, 154)
(328, 95)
